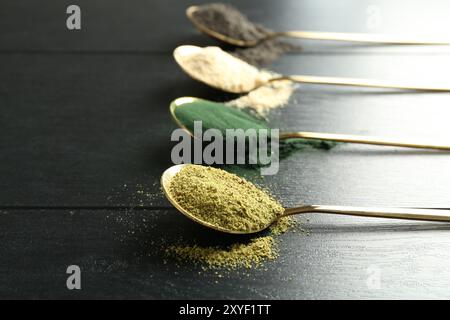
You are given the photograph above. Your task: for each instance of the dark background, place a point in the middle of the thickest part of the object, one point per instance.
(85, 135)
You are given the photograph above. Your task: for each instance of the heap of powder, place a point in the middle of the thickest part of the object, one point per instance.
(238, 255)
(220, 69)
(223, 199)
(265, 98)
(227, 20)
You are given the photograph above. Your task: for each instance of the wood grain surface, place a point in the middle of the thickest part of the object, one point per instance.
(85, 136)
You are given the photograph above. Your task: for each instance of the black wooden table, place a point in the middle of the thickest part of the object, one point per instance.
(85, 136)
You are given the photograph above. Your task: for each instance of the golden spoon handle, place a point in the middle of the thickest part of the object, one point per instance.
(362, 37)
(362, 140)
(376, 212)
(372, 83)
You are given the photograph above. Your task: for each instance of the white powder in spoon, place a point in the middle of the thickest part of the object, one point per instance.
(220, 69)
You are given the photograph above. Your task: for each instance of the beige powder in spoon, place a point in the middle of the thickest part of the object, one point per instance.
(220, 69)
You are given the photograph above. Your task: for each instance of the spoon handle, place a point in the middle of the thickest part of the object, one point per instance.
(362, 140)
(363, 37)
(376, 212)
(371, 83)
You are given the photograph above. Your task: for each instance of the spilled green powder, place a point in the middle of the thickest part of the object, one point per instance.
(283, 225)
(223, 200)
(290, 146)
(251, 254)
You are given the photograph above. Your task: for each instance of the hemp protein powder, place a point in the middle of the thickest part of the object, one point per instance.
(223, 199)
(225, 207)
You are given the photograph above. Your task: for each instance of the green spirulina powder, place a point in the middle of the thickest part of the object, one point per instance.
(222, 117)
(216, 115)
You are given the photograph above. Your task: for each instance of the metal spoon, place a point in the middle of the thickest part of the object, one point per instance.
(376, 212)
(314, 35)
(263, 77)
(183, 101)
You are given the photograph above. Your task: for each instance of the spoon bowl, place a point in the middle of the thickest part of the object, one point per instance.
(166, 179)
(228, 80)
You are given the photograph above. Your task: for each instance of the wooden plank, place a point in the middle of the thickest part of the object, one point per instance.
(120, 254)
(148, 26)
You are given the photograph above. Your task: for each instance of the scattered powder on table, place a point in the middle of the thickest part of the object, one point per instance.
(283, 225)
(237, 255)
(220, 69)
(223, 199)
(227, 20)
(266, 98)
(246, 255)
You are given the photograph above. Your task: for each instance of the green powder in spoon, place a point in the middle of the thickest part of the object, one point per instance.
(217, 116)
(221, 117)
(226, 200)
(223, 199)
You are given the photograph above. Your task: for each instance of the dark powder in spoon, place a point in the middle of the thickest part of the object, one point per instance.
(227, 20)
(265, 52)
